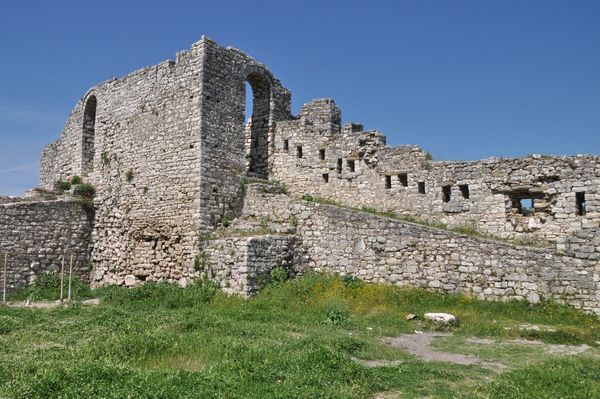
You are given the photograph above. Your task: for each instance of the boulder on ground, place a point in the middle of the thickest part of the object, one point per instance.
(443, 318)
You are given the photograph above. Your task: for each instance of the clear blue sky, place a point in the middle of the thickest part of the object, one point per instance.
(464, 79)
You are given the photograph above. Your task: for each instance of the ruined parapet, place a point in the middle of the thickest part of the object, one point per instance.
(536, 198)
(322, 113)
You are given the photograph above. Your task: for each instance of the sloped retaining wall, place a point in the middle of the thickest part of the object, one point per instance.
(378, 249)
(36, 234)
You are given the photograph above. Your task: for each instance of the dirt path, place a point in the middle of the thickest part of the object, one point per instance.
(418, 345)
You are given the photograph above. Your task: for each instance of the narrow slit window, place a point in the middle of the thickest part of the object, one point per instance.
(581, 204)
(388, 182)
(464, 190)
(299, 151)
(326, 177)
(403, 179)
(322, 154)
(446, 193)
(421, 185)
(351, 165)
(339, 165)
(286, 145)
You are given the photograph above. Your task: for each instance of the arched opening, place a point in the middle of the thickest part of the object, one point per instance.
(89, 122)
(257, 128)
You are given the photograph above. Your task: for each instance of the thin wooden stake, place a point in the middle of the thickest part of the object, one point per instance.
(62, 275)
(70, 277)
(4, 284)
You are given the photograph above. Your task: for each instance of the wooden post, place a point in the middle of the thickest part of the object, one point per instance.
(4, 283)
(70, 277)
(62, 275)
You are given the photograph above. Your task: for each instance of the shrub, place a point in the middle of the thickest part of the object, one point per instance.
(225, 221)
(336, 313)
(200, 261)
(105, 158)
(85, 190)
(308, 197)
(129, 175)
(352, 281)
(76, 180)
(61, 186)
(279, 276)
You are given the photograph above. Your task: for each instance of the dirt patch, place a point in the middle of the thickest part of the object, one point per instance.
(50, 304)
(551, 349)
(377, 362)
(418, 345)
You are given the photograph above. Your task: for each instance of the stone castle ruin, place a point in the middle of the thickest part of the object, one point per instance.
(186, 188)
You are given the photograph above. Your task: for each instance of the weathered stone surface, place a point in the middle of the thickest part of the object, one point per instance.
(423, 256)
(443, 318)
(36, 234)
(169, 152)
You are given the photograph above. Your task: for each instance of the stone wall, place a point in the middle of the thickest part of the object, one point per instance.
(242, 264)
(165, 149)
(315, 154)
(378, 249)
(584, 244)
(35, 235)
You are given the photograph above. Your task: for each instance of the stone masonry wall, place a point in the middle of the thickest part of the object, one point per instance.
(377, 249)
(224, 148)
(35, 236)
(165, 149)
(240, 264)
(315, 154)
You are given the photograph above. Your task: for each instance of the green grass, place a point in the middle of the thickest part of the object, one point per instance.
(297, 339)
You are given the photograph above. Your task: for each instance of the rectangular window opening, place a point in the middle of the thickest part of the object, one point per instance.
(581, 204)
(322, 154)
(446, 193)
(339, 165)
(525, 206)
(299, 151)
(403, 178)
(350, 164)
(286, 145)
(326, 177)
(388, 182)
(421, 185)
(464, 190)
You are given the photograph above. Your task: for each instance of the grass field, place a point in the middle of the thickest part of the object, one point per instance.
(304, 338)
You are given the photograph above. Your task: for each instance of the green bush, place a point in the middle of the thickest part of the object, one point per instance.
(200, 262)
(225, 221)
(336, 313)
(85, 190)
(61, 186)
(129, 175)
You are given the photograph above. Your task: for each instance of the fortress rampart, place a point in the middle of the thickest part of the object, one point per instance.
(169, 153)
